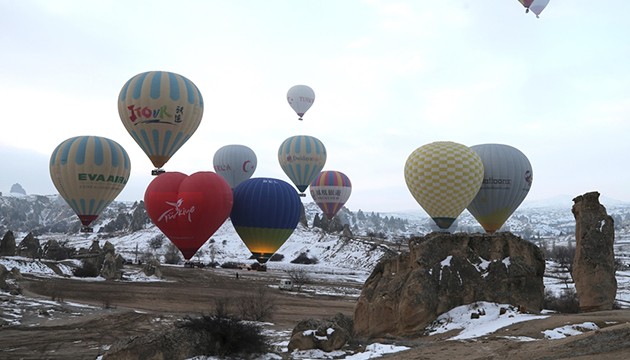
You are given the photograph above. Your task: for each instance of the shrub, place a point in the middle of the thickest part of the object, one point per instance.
(230, 265)
(172, 255)
(87, 269)
(257, 306)
(304, 259)
(276, 257)
(227, 336)
(566, 303)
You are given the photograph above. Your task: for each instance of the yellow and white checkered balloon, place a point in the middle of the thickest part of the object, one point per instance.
(444, 178)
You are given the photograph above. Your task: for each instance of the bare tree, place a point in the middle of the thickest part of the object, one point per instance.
(299, 277)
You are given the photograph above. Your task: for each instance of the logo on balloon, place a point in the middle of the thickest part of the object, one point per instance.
(176, 211)
(146, 115)
(291, 158)
(248, 166)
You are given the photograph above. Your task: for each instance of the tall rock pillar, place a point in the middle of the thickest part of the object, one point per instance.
(594, 263)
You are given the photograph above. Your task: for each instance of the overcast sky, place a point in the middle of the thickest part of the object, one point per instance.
(389, 76)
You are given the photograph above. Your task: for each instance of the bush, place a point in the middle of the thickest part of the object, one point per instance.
(87, 269)
(566, 303)
(173, 255)
(257, 306)
(304, 259)
(227, 336)
(230, 265)
(276, 257)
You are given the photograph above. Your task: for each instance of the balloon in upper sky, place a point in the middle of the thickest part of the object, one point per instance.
(89, 172)
(302, 157)
(507, 179)
(265, 213)
(188, 209)
(443, 177)
(161, 110)
(536, 6)
(235, 163)
(300, 97)
(331, 190)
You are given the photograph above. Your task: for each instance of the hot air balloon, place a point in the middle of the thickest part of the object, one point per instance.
(188, 209)
(331, 190)
(235, 163)
(161, 110)
(301, 98)
(265, 213)
(302, 157)
(506, 181)
(443, 177)
(89, 172)
(536, 6)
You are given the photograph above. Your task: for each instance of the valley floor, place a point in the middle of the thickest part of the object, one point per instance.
(79, 319)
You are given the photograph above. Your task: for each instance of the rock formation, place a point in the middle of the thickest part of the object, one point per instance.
(326, 335)
(594, 263)
(29, 247)
(441, 271)
(7, 244)
(8, 280)
(17, 189)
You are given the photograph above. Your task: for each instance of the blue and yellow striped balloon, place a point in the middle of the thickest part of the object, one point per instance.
(302, 157)
(265, 213)
(160, 110)
(89, 172)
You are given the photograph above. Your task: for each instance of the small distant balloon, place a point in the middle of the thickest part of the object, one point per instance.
(507, 179)
(235, 163)
(266, 212)
(536, 6)
(443, 177)
(331, 190)
(301, 98)
(89, 172)
(160, 110)
(302, 157)
(188, 209)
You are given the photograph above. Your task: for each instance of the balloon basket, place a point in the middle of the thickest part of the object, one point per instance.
(302, 195)
(86, 229)
(156, 172)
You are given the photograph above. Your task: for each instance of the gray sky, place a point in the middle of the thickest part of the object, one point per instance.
(389, 77)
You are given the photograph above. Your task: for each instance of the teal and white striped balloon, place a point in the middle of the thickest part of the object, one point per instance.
(302, 157)
(89, 172)
(160, 110)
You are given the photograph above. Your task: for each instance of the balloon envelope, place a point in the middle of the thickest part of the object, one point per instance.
(89, 172)
(301, 98)
(265, 213)
(188, 209)
(443, 177)
(235, 163)
(536, 6)
(302, 157)
(160, 110)
(331, 190)
(507, 179)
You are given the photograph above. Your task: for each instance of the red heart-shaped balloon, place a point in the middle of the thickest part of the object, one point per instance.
(188, 209)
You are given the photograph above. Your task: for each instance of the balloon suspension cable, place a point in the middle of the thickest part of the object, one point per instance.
(156, 172)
